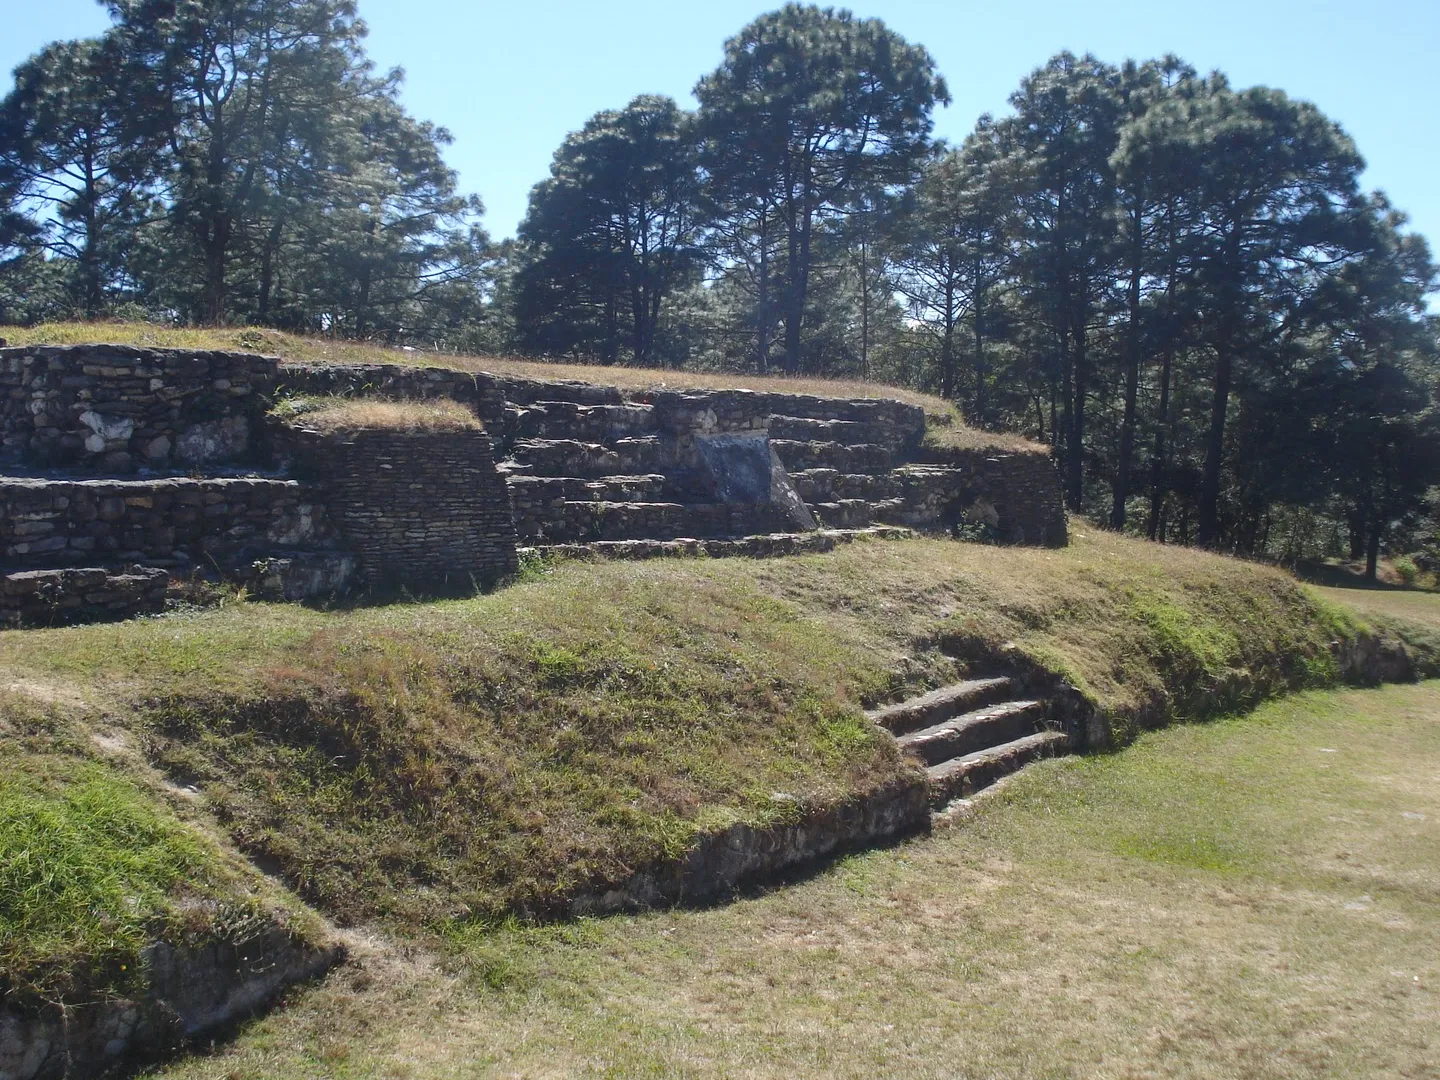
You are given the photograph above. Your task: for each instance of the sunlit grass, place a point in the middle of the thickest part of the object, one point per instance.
(1257, 897)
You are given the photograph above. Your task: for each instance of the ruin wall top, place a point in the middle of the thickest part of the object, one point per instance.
(119, 408)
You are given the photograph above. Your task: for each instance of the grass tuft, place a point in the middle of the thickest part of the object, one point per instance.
(90, 871)
(330, 415)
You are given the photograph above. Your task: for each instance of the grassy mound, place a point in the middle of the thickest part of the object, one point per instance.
(946, 427)
(467, 758)
(1251, 898)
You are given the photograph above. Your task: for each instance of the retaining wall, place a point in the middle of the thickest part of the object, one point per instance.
(1022, 489)
(118, 408)
(190, 991)
(172, 522)
(89, 594)
(425, 510)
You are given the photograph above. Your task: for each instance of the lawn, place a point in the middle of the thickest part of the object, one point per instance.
(1255, 897)
(1387, 602)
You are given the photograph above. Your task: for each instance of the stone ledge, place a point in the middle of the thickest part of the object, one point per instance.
(80, 595)
(755, 547)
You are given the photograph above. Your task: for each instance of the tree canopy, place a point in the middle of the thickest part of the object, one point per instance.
(1179, 285)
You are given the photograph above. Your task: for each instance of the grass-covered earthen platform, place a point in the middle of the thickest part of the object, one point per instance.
(431, 767)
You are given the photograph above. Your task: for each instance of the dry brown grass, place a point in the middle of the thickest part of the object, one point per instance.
(948, 428)
(337, 414)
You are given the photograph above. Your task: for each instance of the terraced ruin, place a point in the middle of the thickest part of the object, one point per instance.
(227, 792)
(168, 459)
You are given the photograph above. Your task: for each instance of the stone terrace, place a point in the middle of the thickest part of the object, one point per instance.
(125, 457)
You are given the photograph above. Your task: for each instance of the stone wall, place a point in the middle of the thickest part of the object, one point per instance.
(396, 382)
(118, 408)
(423, 510)
(90, 594)
(173, 522)
(501, 402)
(429, 510)
(190, 991)
(1022, 489)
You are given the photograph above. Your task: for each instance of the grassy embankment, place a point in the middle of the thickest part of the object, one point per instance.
(96, 863)
(946, 427)
(428, 763)
(1254, 898)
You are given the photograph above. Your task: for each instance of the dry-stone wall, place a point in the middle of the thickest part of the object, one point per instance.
(173, 522)
(590, 463)
(119, 408)
(396, 382)
(1017, 494)
(93, 594)
(426, 510)
(577, 463)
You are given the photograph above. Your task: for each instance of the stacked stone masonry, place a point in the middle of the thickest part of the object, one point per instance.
(95, 436)
(117, 408)
(426, 510)
(93, 594)
(172, 522)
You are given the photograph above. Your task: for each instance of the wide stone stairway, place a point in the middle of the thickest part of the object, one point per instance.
(587, 466)
(971, 734)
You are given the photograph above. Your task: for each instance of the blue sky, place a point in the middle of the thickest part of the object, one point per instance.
(509, 80)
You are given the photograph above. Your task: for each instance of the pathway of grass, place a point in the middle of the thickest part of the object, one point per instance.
(1412, 605)
(1257, 897)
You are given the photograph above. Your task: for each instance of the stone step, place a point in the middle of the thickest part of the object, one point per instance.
(580, 521)
(891, 512)
(848, 432)
(830, 485)
(591, 460)
(756, 547)
(980, 729)
(586, 423)
(940, 705)
(527, 489)
(908, 421)
(963, 776)
(858, 458)
(842, 514)
(522, 391)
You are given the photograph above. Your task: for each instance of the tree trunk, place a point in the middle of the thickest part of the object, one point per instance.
(864, 308)
(798, 273)
(92, 297)
(267, 271)
(981, 404)
(1355, 521)
(1208, 512)
(1075, 458)
(1155, 527)
(1132, 385)
(762, 300)
(947, 344)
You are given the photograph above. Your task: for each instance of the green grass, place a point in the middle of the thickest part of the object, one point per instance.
(85, 867)
(466, 759)
(1386, 603)
(92, 869)
(1256, 897)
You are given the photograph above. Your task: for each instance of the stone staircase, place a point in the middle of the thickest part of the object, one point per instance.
(971, 734)
(585, 471)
